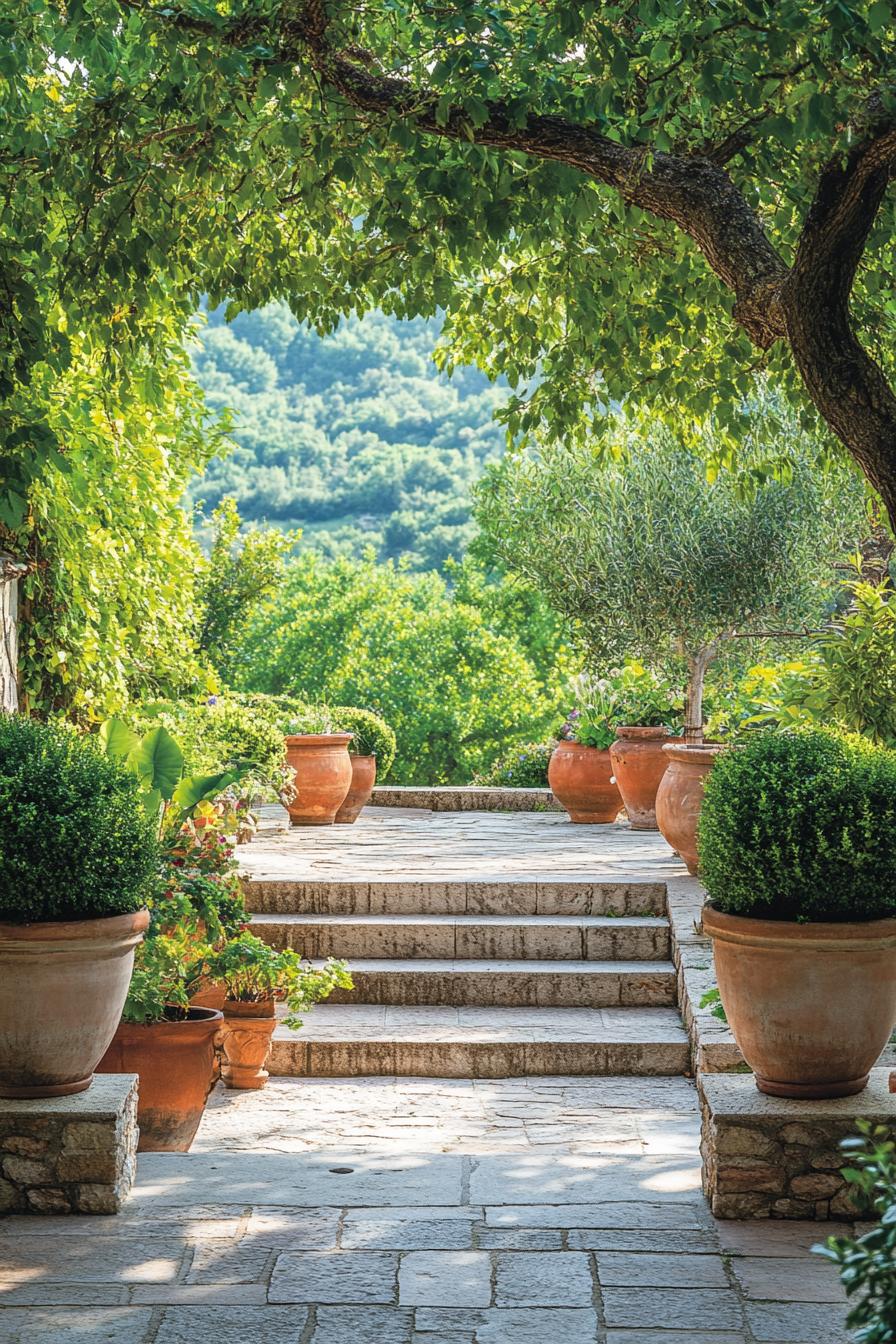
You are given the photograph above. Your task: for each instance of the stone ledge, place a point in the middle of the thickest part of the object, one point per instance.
(776, 1157)
(469, 798)
(72, 1154)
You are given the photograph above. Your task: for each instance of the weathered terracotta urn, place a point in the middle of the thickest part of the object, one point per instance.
(360, 789)
(680, 796)
(246, 1042)
(323, 776)
(639, 764)
(62, 989)
(176, 1064)
(811, 1005)
(581, 779)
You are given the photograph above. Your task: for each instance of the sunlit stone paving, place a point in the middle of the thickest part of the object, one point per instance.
(395, 1209)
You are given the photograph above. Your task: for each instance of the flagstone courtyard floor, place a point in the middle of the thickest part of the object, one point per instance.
(433, 1210)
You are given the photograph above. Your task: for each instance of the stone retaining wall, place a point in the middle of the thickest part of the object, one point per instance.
(73, 1154)
(466, 799)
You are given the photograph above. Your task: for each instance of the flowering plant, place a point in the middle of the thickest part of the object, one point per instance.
(592, 721)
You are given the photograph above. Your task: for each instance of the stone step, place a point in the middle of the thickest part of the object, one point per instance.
(474, 937)
(512, 984)
(461, 897)
(439, 1042)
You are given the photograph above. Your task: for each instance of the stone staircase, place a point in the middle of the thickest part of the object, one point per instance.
(478, 978)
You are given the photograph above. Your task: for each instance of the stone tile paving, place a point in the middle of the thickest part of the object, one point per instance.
(419, 1211)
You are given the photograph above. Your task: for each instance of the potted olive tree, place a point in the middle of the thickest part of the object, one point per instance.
(371, 751)
(256, 977)
(650, 558)
(797, 837)
(78, 864)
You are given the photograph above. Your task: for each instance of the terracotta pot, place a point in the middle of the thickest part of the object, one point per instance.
(581, 779)
(248, 1028)
(176, 1064)
(358, 796)
(211, 994)
(811, 1005)
(62, 989)
(323, 771)
(680, 796)
(639, 764)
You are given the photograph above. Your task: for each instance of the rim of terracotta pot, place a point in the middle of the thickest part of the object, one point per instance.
(692, 751)
(71, 930)
(565, 745)
(635, 730)
(197, 1019)
(772, 933)
(264, 1008)
(318, 739)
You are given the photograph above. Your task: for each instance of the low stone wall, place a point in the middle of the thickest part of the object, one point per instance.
(466, 799)
(772, 1157)
(73, 1154)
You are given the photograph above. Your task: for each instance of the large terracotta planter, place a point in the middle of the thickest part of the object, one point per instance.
(176, 1063)
(639, 764)
(358, 796)
(581, 779)
(680, 796)
(62, 989)
(323, 771)
(810, 1005)
(246, 1042)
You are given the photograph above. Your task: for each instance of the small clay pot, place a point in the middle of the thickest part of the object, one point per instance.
(358, 796)
(639, 764)
(175, 1060)
(246, 1042)
(811, 1006)
(323, 776)
(581, 779)
(680, 796)
(62, 989)
(210, 994)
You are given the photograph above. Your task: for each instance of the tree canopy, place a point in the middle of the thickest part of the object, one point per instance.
(644, 199)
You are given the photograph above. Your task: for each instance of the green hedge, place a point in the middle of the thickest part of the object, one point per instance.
(524, 767)
(801, 825)
(372, 735)
(75, 840)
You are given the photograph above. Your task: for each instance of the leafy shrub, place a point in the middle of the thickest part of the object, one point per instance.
(645, 699)
(372, 735)
(524, 767)
(801, 825)
(868, 1263)
(254, 972)
(217, 731)
(75, 840)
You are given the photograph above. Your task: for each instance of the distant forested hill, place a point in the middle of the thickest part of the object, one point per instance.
(355, 437)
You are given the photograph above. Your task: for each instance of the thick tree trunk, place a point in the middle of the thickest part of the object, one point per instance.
(693, 714)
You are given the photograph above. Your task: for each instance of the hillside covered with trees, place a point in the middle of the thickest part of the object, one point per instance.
(355, 437)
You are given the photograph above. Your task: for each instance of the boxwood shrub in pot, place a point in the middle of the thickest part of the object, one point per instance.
(797, 837)
(78, 860)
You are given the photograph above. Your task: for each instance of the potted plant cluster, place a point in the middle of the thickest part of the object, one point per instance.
(647, 718)
(650, 556)
(372, 751)
(162, 1036)
(580, 773)
(78, 867)
(797, 837)
(255, 978)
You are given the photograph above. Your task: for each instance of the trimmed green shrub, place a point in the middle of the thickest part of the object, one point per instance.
(217, 731)
(372, 735)
(75, 839)
(524, 767)
(801, 825)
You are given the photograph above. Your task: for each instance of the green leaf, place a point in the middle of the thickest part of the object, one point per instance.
(158, 761)
(117, 739)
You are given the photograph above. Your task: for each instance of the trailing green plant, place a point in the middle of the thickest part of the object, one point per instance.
(522, 767)
(801, 825)
(371, 735)
(75, 842)
(712, 1000)
(867, 1263)
(254, 972)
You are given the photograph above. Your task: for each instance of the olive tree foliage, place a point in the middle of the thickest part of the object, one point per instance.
(651, 558)
(651, 195)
